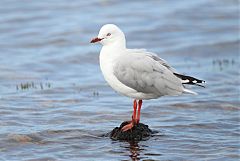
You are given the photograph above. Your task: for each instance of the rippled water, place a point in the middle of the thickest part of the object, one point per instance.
(67, 106)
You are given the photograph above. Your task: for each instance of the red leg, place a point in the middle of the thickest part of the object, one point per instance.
(134, 111)
(139, 111)
(134, 118)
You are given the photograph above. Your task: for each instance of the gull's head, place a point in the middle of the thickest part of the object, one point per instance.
(110, 34)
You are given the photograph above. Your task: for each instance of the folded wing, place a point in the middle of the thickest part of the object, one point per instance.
(147, 73)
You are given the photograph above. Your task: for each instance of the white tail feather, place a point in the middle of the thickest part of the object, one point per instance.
(189, 91)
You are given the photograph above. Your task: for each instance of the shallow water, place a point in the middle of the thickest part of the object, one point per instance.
(68, 106)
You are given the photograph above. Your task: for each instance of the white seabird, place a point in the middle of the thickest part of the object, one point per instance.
(137, 73)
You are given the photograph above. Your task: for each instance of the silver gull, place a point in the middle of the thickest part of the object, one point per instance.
(137, 73)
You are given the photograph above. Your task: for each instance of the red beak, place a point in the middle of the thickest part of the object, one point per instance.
(95, 40)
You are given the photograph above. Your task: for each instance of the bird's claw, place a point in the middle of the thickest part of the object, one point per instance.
(127, 127)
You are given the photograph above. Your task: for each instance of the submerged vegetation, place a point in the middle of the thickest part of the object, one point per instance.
(33, 85)
(224, 63)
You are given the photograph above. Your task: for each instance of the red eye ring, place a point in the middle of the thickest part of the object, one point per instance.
(108, 34)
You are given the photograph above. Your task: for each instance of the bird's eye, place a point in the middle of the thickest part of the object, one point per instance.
(108, 34)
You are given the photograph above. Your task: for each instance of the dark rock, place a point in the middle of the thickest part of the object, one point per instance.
(137, 133)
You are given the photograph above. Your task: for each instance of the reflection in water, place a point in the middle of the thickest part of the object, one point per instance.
(137, 152)
(134, 151)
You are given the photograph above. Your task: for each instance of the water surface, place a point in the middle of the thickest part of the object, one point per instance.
(68, 105)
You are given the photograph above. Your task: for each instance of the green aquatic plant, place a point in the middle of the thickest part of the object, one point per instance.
(33, 85)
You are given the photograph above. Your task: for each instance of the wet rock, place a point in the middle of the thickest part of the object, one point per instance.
(137, 133)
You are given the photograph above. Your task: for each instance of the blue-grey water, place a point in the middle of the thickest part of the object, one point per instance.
(55, 104)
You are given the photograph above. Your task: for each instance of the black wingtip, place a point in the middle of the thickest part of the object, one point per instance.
(190, 80)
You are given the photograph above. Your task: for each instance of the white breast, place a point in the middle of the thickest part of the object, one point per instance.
(107, 62)
(106, 65)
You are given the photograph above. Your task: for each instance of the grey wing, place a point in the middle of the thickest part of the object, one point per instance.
(155, 57)
(145, 74)
(161, 61)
